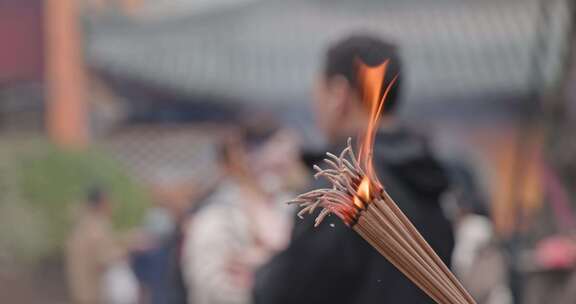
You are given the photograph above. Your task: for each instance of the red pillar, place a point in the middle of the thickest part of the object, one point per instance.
(66, 110)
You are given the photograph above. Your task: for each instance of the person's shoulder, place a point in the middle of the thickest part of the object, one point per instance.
(220, 209)
(400, 144)
(214, 210)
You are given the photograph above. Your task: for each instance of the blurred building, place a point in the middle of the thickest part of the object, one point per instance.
(21, 64)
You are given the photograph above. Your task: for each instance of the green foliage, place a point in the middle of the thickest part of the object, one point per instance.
(51, 185)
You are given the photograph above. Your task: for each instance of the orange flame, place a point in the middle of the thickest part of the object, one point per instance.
(363, 193)
(371, 80)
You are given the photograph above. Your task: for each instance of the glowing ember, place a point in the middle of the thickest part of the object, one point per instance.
(363, 193)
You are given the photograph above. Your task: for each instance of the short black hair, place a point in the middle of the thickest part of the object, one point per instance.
(95, 196)
(342, 57)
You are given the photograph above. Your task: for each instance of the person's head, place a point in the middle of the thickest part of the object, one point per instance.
(338, 101)
(261, 155)
(239, 146)
(172, 191)
(97, 200)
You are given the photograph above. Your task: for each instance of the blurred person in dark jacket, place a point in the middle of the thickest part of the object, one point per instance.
(152, 264)
(331, 263)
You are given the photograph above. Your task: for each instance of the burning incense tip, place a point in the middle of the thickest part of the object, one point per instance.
(360, 201)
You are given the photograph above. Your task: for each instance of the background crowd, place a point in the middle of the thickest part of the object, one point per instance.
(148, 147)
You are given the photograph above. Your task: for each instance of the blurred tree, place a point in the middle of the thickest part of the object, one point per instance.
(46, 186)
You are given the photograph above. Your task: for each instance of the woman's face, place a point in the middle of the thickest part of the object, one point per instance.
(276, 162)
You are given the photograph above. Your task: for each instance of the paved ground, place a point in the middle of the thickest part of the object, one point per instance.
(43, 286)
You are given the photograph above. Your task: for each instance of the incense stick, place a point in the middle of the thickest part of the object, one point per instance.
(363, 205)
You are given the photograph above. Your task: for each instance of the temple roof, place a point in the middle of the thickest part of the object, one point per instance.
(269, 51)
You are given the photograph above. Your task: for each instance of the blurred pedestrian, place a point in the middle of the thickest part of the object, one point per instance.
(241, 226)
(96, 262)
(478, 261)
(152, 264)
(331, 263)
(158, 267)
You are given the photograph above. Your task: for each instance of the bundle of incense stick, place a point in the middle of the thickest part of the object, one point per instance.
(358, 198)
